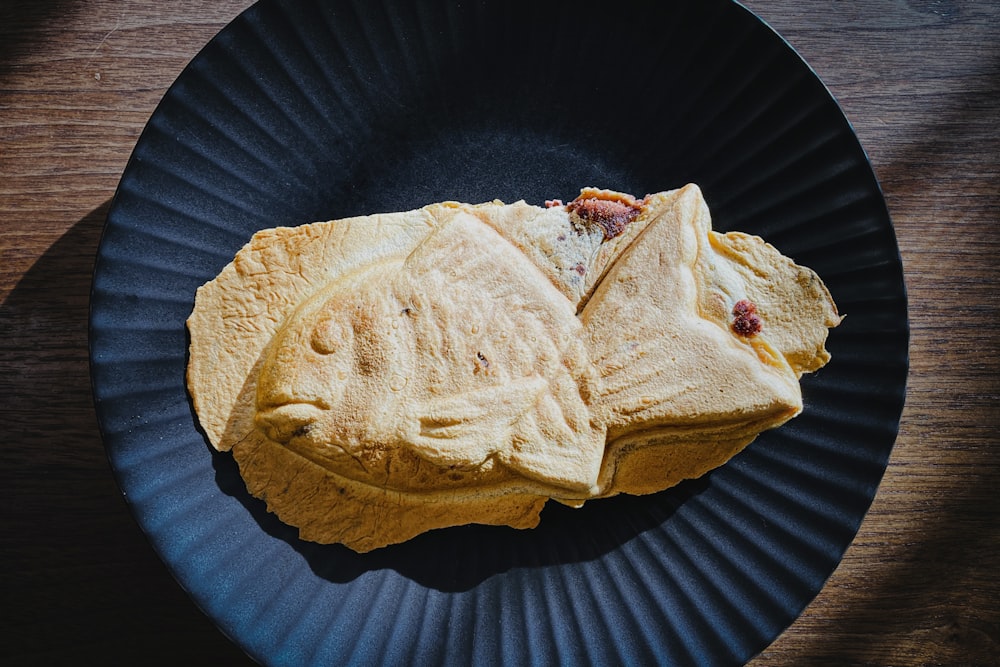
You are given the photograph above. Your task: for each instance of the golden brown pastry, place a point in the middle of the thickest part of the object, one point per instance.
(381, 376)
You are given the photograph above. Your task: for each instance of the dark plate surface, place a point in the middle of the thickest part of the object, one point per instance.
(302, 111)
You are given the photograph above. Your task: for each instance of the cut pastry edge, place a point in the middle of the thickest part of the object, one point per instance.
(645, 462)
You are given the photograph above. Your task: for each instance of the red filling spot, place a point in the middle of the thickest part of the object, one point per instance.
(551, 203)
(744, 307)
(612, 212)
(746, 322)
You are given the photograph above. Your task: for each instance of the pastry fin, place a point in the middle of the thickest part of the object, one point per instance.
(466, 429)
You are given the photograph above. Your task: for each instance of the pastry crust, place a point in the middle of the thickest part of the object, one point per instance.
(381, 376)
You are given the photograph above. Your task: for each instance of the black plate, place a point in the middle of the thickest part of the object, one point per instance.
(301, 111)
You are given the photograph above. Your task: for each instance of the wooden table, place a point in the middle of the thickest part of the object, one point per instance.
(919, 79)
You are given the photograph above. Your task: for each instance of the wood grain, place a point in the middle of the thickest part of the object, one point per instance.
(920, 81)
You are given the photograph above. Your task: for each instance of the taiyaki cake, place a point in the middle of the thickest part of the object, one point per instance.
(377, 377)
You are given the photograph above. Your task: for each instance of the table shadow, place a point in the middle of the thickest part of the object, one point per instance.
(78, 574)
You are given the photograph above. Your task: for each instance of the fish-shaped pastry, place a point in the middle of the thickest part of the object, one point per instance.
(380, 376)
